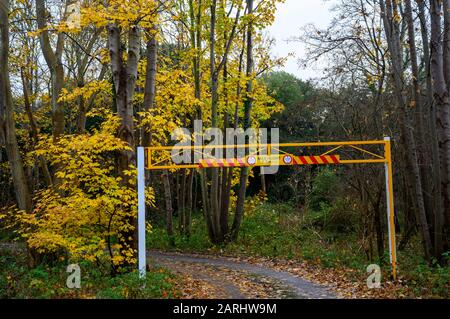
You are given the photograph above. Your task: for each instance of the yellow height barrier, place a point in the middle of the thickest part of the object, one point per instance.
(320, 153)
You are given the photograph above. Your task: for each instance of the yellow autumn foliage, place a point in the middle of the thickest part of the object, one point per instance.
(85, 213)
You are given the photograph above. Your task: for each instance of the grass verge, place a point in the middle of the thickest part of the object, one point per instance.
(49, 282)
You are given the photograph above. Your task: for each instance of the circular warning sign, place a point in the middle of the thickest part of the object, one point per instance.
(287, 159)
(251, 160)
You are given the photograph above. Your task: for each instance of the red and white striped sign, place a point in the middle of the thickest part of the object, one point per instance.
(316, 160)
(229, 162)
(263, 161)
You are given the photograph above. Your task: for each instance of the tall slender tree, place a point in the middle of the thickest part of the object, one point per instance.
(53, 58)
(7, 122)
(248, 104)
(390, 13)
(441, 99)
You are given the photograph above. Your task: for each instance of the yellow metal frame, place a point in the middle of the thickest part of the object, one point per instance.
(358, 146)
(375, 158)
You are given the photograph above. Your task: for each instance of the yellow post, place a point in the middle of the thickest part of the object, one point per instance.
(390, 206)
(149, 157)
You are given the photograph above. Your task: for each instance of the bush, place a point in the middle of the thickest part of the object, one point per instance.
(131, 286)
(44, 282)
(88, 215)
(339, 217)
(324, 189)
(282, 193)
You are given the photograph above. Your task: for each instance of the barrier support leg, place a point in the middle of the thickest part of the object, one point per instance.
(390, 206)
(141, 211)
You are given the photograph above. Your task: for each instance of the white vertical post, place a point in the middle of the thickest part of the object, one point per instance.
(141, 211)
(390, 206)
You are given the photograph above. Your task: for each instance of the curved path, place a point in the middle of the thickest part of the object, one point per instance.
(239, 280)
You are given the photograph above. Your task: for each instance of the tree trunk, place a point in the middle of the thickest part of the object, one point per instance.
(124, 77)
(33, 128)
(196, 43)
(214, 194)
(446, 7)
(378, 215)
(248, 103)
(446, 216)
(168, 200)
(189, 204)
(150, 82)
(235, 126)
(417, 106)
(181, 196)
(54, 63)
(389, 10)
(441, 99)
(7, 122)
(431, 118)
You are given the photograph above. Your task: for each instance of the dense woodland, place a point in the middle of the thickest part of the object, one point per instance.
(76, 99)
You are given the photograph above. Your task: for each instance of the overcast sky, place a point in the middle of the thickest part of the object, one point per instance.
(290, 18)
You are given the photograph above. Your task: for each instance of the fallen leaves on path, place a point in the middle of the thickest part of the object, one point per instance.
(346, 283)
(202, 281)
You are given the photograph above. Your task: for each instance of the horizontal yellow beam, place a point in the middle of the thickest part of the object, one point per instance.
(270, 160)
(316, 144)
(269, 147)
(161, 167)
(194, 166)
(368, 161)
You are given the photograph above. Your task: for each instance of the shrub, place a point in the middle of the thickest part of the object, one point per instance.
(87, 215)
(339, 217)
(324, 189)
(19, 281)
(130, 286)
